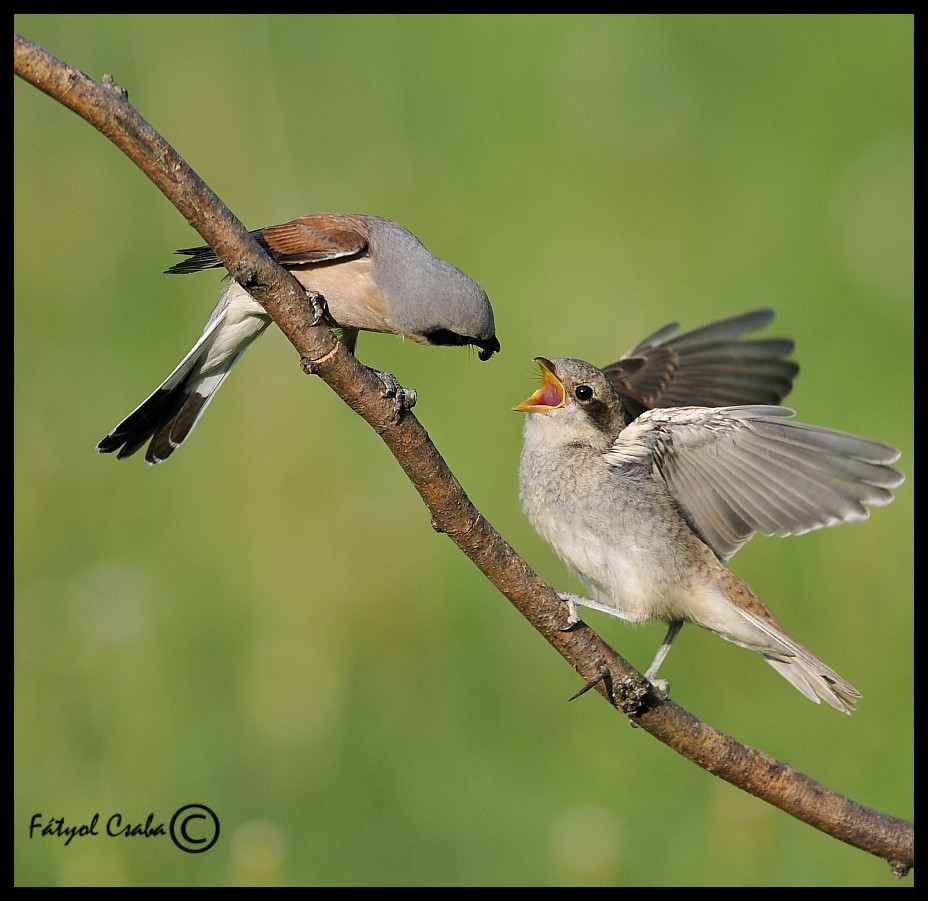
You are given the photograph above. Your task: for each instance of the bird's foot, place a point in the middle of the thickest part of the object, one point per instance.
(573, 615)
(404, 398)
(319, 305)
(661, 687)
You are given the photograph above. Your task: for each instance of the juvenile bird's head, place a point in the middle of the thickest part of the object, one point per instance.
(575, 404)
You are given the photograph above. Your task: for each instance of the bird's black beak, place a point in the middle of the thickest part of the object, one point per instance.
(488, 348)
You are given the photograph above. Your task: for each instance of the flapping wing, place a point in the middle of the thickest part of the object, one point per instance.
(711, 366)
(734, 471)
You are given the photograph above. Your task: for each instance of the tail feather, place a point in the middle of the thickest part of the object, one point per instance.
(794, 661)
(169, 413)
(817, 681)
(174, 429)
(168, 416)
(143, 422)
(754, 627)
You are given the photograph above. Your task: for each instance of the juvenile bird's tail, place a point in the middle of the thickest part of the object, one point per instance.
(751, 625)
(815, 679)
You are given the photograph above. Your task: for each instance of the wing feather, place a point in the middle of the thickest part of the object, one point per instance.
(734, 471)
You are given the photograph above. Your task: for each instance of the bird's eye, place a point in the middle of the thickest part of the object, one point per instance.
(583, 392)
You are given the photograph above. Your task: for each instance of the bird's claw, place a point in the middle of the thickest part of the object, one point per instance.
(573, 616)
(319, 305)
(404, 398)
(661, 687)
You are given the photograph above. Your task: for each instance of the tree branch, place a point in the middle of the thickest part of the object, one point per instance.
(105, 105)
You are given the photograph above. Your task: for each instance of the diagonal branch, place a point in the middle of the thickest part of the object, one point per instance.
(105, 105)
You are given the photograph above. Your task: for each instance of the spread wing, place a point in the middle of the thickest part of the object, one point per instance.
(711, 366)
(734, 471)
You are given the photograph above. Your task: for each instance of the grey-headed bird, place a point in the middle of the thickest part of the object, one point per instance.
(373, 275)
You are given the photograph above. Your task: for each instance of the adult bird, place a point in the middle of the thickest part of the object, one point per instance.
(371, 274)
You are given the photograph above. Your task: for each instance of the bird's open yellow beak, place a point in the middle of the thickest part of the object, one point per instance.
(550, 393)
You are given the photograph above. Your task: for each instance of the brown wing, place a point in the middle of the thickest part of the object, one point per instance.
(711, 366)
(317, 238)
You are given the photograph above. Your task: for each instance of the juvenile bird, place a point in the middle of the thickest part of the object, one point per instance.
(373, 275)
(646, 506)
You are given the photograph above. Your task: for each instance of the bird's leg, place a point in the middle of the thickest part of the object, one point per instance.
(348, 337)
(662, 685)
(404, 398)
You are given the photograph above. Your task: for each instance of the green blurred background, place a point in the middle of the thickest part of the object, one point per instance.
(267, 624)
